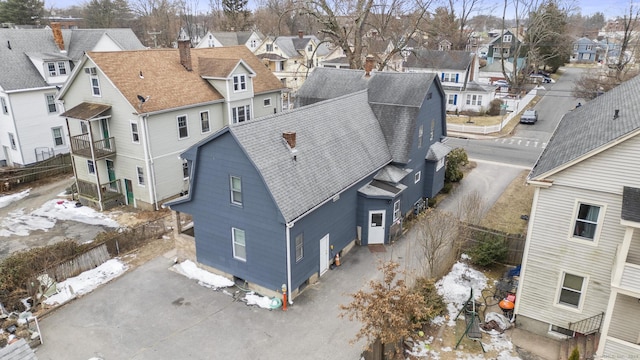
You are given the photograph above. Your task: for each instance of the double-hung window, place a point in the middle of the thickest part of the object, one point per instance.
(135, 135)
(241, 114)
(12, 141)
(58, 139)
(183, 130)
(91, 167)
(62, 69)
(95, 85)
(5, 107)
(299, 247)
(185, 169)
(235, 184)
(396, 211)
(52, 69)
(586, 222)
(51, 103)
(140, 174)
(239, 82)
(571, 290)
(204, 122)
(239, 244)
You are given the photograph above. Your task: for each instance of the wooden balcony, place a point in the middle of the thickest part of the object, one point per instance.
(103, 196)
(81, 146)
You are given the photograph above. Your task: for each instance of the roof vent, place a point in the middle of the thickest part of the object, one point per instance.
(616, 114)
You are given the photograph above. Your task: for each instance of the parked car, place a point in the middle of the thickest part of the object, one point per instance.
(539, 78)
(529, 117)
(501, 83)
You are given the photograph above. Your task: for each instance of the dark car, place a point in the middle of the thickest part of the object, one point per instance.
(529, 117)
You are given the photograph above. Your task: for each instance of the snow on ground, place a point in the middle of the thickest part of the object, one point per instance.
(44, 218)
(87, 281)
(8, 199)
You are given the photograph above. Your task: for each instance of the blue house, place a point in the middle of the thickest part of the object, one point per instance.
(585, 50)
(274, 200)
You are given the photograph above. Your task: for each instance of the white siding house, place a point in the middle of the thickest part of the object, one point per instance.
(581, 267)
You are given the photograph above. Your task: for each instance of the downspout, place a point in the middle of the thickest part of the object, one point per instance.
(148, 160)
(288, 226)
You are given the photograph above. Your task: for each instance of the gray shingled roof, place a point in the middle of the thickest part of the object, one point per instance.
(631, 204)
(19, 350)
(437, 151)
(330, 155)
(591, 127)
(392, 174)
(434, 59)
(232, 38)
(19, 72)
(394, 97)
(290, 44)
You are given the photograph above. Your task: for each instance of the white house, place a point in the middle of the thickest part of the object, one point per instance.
(131, 113)
(36, 63)
(250, 39)
(458, 71)
(581, 267)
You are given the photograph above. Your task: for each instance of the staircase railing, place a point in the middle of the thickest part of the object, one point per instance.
(589, 325)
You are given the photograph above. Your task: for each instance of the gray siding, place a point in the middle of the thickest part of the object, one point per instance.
(625, 320)
(615, 350)
(368, 204)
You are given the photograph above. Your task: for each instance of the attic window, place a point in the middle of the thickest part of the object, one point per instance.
(269, 47)
(91, 71)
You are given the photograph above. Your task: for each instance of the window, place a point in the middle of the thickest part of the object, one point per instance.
(239, 83)
(140, 174)
(396, 211)
(449, 77)
(279, 65)
(62, 68)
(241, 114)
(239, 244)
(586, 221)
(5, 108)
(95, 85)
(135, 136)
(417, 176)
(236, 190)
(58, 140)
(269, 47)
(52, 69)
(185, 169)
(310, 63)
(12, 141)
(254, 43)
(267, 102)
(183, 132)
(571, 290)
(299, 247)
(433, 128)
(575, 47)
(51, 103)
(474, 99)
(420, 135)
(204, 121)
(589, 47)
(440, 164)
(83, 127)
(451, 99)
(561, 330)
(91, 167)
(507, 38)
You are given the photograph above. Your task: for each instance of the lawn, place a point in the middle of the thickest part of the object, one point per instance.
(515, 201)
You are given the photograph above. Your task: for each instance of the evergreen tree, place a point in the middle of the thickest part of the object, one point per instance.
(21, 12)
(236, 13)
(106, 13)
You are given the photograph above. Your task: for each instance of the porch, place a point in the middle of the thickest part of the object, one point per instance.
(82, 145)
(102, 196)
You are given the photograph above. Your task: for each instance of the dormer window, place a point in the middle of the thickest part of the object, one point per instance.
(507, 38)
(310, 48)
(269, 47)
(62, 68)
(52, 69)
(239, 83)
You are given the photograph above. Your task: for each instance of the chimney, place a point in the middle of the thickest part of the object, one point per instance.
(300, 34)
(616, 114)
(368, 65)
(290, 138)
(184, 48)
(57, 35)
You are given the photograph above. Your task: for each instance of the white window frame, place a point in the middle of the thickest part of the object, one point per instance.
(185, 126)
(239, 83)
(140, 176)
(507, 38)
(185, 169)
(397, 213)
(12, 141)
(299, 242)
(91, 167)
(51, 68)
(95, 86)
(233, 190)
(449, 77)
(235, 243)
(599, 223)
(50, 100)
(417, 177)
(582, 291)
(135, 133)
(269, 47)
(266, 102)
(62, 68)
(451, 99)
(440, 164)
(474, 99)
(61, 136)
(235, 114)
(5, 107)
(204, 121)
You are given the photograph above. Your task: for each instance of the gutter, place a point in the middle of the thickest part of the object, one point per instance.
(31, 89)
(179, 108)
(288, 227)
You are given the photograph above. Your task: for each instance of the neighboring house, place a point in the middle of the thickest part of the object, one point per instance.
(275, 200)
(491, 72)
(292, 58)
(250, 39)
(36, 63)
(585, 50)
(504, 46)
(131, 113)
(582, 256)
(458, 72)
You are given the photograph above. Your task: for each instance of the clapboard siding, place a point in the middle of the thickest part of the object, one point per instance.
(625, 319)
(630, 279)
(615, 349)
(551, 252)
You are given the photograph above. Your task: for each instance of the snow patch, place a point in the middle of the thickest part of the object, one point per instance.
(189, 269)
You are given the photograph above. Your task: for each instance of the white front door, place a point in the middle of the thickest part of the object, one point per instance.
(324, 254)
(376, 227)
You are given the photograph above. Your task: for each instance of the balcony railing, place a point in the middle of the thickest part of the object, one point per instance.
(588, 326)
(109, 192)
(81, 145)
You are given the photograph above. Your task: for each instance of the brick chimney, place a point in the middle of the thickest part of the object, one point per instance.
(290, 137)
(184, 48)
(57, 35)
(368, 65)
(300, 34)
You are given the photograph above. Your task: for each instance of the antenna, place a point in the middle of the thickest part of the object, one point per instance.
(142, 100)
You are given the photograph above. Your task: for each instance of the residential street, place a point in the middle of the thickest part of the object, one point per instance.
(154, 313)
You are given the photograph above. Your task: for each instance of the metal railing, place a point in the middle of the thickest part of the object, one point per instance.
(589, 325)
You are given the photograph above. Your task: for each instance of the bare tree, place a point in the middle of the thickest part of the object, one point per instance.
(160, 24)
(629, 24)
(471, 208)
(437, 233)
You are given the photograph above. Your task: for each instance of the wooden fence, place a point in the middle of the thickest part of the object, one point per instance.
(124, 240)
(60, 164)
(88, 260)
(515, 242)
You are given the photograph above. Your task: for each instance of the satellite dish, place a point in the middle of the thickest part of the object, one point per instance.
(141, 98)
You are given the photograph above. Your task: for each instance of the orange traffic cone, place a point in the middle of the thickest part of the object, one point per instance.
(337, 260)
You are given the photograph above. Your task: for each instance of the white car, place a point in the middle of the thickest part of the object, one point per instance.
(539, 78)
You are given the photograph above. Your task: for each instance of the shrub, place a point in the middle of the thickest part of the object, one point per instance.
(494, 107)
(575, 354)
(456, 158)
(427, 289)
(447, 188)
(490, 249)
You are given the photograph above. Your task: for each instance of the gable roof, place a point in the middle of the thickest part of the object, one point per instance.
(330, 155)
(290, 45)
(228, 38)
(395, 98)
(168, 83)
(591, 128)
(434, 59)
(20, 73)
